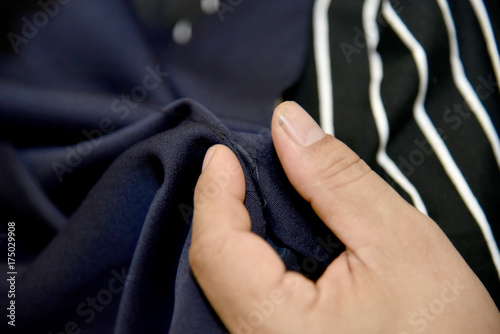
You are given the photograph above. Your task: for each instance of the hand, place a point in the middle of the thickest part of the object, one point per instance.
(399, 272)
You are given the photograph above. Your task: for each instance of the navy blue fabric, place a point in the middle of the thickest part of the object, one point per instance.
(135, 223)
(100, 185)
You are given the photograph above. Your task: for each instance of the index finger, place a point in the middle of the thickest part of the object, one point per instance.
(236, 268)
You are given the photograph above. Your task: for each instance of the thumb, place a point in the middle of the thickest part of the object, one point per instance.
(352, 200)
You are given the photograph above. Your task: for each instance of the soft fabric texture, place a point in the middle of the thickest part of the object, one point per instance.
(105, 120)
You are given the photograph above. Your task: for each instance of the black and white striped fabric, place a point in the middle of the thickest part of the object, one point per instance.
(412, 87)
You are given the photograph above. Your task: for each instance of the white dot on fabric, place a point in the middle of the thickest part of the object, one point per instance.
(210, 6)
(182, 32)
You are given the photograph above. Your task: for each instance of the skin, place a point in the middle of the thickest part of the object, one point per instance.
(399, 273)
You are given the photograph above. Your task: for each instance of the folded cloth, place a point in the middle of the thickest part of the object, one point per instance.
(120, 262)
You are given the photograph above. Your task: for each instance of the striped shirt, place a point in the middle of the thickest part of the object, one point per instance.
(105, 119)
(412, 87)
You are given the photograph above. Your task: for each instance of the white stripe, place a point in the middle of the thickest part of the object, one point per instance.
(323, 66)
(433, 136)
(464, 86)
(489, 37)
(370, 11)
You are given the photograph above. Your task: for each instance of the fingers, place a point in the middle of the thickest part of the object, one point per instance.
(351, 199)
(236, 268)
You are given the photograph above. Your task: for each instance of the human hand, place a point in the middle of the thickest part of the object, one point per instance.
(399, 272)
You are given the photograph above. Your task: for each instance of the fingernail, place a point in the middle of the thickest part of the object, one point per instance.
(299, 125)
(208, 157)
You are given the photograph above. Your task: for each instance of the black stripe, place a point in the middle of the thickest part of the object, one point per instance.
(354, 123)
(467, 144)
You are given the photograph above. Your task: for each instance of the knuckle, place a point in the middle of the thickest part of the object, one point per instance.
(341, 167)
(197, 257)
(207, 249)
(211, 185)
(205, 192)
(205, 186)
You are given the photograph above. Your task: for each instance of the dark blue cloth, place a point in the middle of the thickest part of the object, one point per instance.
(101, 153)
(136, 220)
(105, 120)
